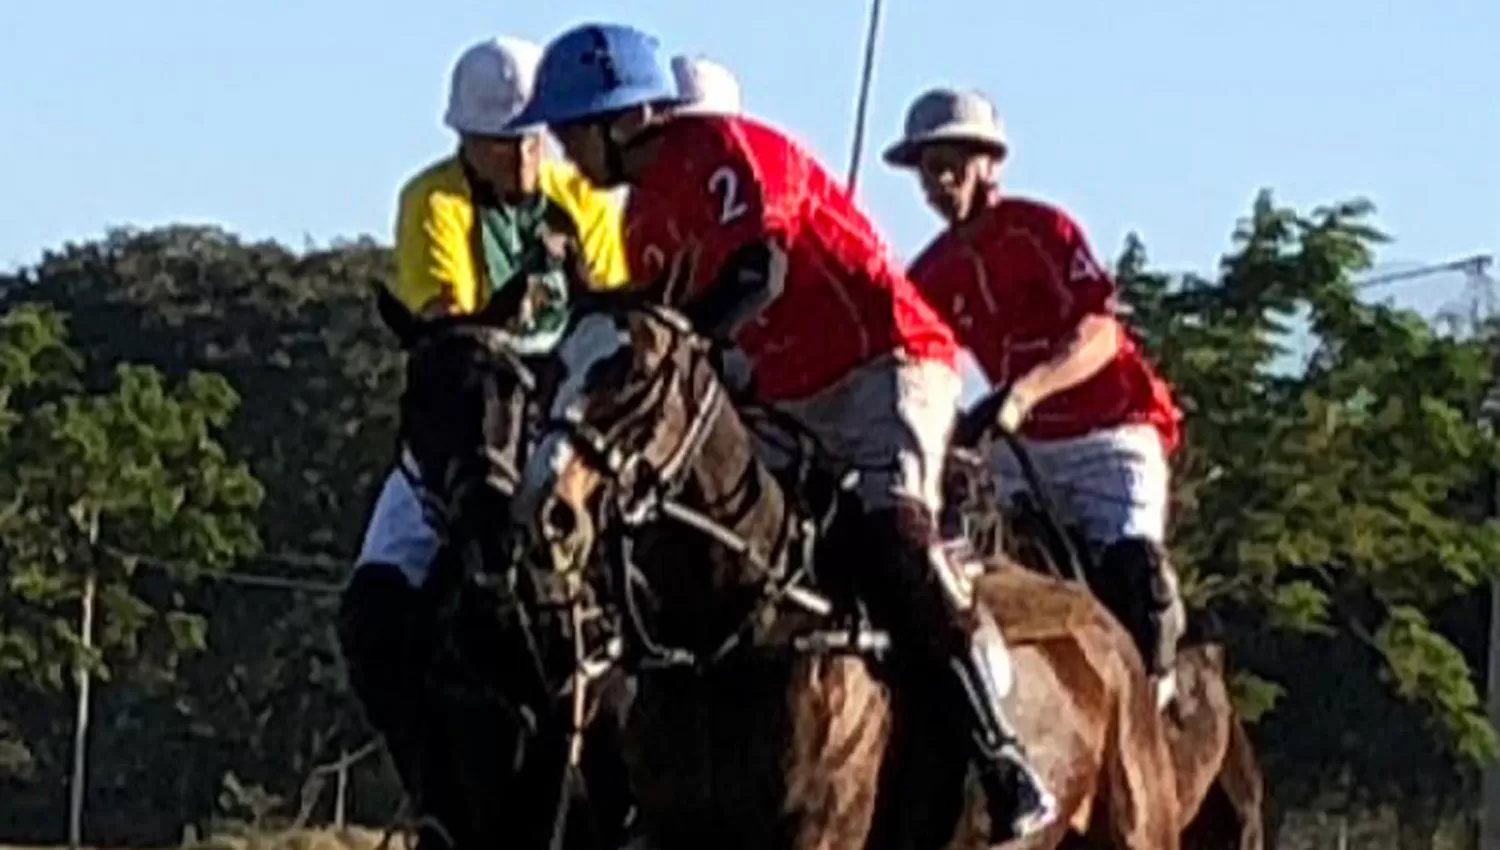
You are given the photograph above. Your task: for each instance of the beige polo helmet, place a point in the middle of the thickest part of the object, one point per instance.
(706, 86)
(948, 115)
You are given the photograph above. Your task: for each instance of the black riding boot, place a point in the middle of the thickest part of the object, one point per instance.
(384, 628)
(1138, 583)
(909, 597)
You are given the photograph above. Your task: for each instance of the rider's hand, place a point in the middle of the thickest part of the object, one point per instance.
(1013, 412)
(1004, 409)
(440, 306)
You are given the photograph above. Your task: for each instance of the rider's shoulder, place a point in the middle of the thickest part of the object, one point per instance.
(1024, 210)
(1040, 217)
(439, 184)
(442, 176)
(720, 136)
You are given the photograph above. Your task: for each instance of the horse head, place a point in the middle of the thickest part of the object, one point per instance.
(463, 416)
(464, 407)
(642, 459)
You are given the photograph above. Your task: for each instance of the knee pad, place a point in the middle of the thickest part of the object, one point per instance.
(1144, 586)
(1142, 565)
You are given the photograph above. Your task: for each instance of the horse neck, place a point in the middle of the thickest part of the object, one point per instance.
(701, 584)
(451, 419)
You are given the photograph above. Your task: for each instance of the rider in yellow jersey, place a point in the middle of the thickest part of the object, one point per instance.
(437, 267)
(468, 226)
(450, 229)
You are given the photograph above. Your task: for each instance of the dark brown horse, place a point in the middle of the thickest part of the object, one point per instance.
(495, 665)
(767, 715)
(1220, 788)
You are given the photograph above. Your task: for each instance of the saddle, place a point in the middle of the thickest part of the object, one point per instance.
(1026, 602)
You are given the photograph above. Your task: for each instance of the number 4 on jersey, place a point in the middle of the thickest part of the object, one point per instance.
(1083, 267)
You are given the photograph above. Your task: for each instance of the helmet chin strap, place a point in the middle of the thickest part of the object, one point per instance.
(614, 147)
(614, 154)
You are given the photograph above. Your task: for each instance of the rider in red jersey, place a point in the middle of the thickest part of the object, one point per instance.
(1018, 283)
(792, 272)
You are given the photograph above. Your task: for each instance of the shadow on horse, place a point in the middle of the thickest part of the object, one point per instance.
(1220, 788)
(769, 713)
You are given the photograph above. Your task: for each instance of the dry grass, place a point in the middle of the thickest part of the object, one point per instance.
(354, 838)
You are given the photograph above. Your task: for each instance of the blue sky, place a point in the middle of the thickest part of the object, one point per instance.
(297, 120)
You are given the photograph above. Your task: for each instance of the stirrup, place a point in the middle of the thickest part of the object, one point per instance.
(1015, 782)
(1164, 690)
(436, 828)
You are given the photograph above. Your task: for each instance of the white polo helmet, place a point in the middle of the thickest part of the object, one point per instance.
(948, 115)
(492, 82)
(707, 87)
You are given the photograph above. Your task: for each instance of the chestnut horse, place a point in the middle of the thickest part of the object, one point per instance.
(768, 715)
(1220, 788)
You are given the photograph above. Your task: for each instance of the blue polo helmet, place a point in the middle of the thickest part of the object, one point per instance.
(597, 69)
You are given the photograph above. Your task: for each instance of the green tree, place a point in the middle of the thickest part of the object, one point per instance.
(91, 480)
(1326, 499)
(296, 334)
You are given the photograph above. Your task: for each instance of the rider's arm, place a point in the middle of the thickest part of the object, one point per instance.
(435, 271)
(1085, 351)
(1094, 338)
(749, 281)
(597, 222)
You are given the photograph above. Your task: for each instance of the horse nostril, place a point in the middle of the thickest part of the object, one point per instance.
(558, 521)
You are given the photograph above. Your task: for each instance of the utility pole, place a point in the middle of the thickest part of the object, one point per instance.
(81, 676)
(1489, 823)
(1476, 268)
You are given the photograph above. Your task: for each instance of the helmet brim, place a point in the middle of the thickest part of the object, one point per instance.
(906, 153)
(497, 131)
(552, 112)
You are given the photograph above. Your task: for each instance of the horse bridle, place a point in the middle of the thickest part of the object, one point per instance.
(497, 471)
(646, 493)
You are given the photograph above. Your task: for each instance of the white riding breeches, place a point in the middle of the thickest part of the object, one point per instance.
(890, 420)
(398, 533)
(1113, 483)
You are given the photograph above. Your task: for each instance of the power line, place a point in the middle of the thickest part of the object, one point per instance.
(276, 583)
(1475, 265)
(251, 579)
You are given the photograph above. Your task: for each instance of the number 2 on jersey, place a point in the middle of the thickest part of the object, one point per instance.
(724, 184)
